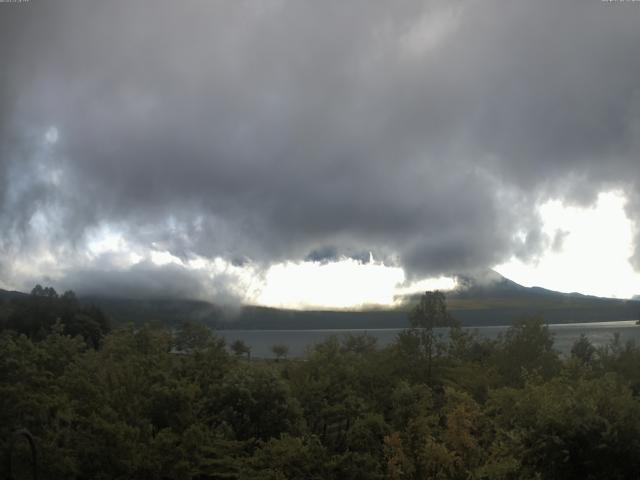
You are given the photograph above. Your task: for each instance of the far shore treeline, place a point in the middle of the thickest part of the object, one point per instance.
(475, 304)
(152, 402)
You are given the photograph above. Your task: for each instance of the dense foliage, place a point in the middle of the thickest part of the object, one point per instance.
(155, 403)
(35, 315)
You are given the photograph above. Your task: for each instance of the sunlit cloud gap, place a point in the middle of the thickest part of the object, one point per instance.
(588, 250)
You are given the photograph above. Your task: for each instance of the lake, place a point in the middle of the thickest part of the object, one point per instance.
(565, 334)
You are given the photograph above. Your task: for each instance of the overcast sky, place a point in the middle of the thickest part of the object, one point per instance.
(202, 148)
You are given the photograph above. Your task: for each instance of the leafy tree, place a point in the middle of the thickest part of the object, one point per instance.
(287, 457)
(36, 315)
(38, 291)
(255, 403)
(69, 297)
(583, 350)
(359, 344)
(570, 428)
(364, 456)
(280, 351)
(50, 292)
(429, 313)
(466, 345)
(621, 359)
(192, 336)
(239, 348)
(526, 348)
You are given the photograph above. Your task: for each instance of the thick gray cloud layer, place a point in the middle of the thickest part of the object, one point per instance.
(259, 131)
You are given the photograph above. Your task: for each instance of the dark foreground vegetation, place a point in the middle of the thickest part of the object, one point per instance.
(153, 403)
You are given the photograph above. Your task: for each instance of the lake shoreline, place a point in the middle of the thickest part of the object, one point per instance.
(227, 327)
(299, 340)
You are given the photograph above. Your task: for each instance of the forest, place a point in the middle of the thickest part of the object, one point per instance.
(153, 402)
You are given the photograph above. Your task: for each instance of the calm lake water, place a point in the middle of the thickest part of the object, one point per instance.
(565, 334)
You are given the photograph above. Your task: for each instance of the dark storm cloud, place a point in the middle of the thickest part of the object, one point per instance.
(424, 132)
(329, 253)
(147, 280)
(324, 254)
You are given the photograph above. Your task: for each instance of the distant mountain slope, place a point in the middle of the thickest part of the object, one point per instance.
(248, 317)
(10, 294)
(491, 299)
(6, 296)
(486, 299)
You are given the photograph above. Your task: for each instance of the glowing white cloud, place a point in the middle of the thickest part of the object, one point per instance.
(591, 254)
(346, 283)
(341, 284)
(164, 258)
(439, 283)
(105, 240)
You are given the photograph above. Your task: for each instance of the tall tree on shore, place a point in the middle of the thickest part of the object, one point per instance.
(239, 348)
(280, 350)
(429, 313)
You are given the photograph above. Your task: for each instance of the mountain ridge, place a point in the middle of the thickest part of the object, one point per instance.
(481, 300)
